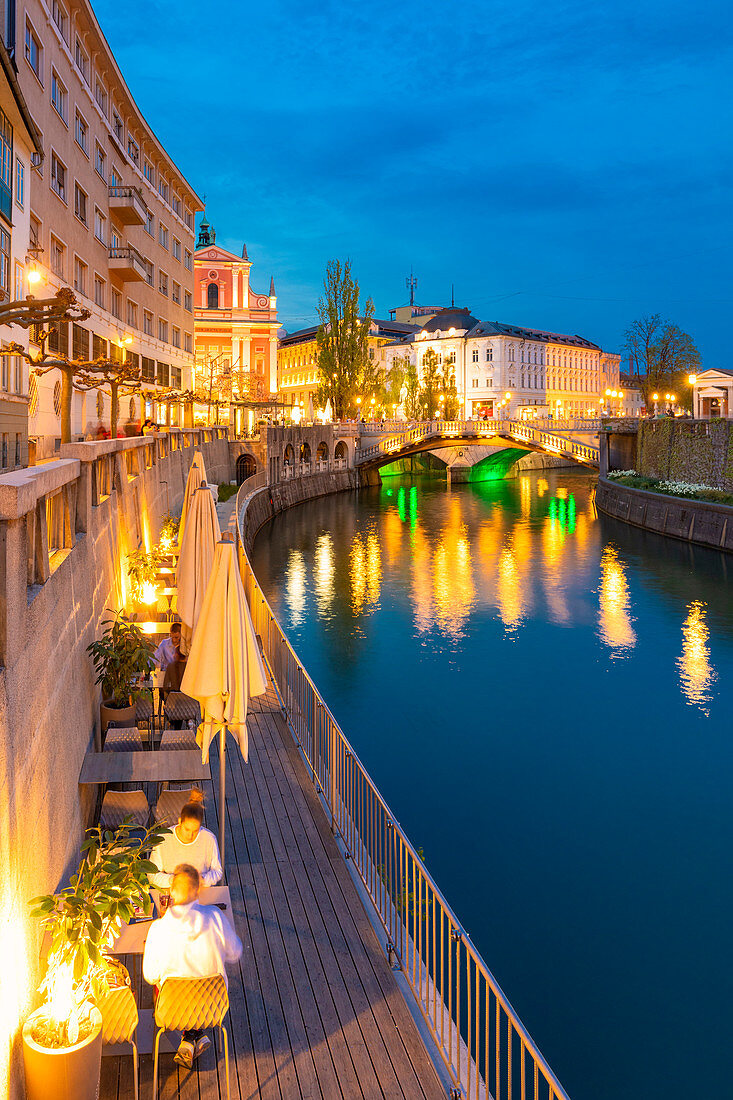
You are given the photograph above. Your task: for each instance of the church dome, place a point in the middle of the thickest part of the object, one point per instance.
(459, 319)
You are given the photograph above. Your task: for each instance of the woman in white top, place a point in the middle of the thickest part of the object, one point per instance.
(188, 843)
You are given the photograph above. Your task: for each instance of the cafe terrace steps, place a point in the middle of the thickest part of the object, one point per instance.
(315, 1010)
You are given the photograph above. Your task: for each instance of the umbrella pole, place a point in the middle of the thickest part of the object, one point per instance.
(222, 792)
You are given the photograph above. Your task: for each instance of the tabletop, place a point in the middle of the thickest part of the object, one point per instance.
(143, 767)
(132, 937)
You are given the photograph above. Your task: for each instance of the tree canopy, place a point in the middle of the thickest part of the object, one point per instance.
(662, 356)
(344, 368)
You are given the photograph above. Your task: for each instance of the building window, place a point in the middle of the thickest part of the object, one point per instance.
(19, 289)
(100, 94)
(6, 165)
(61, 19)
(115, 179)
(19, 182)
(188, 218)
(150, 224)
(82, 60)
(147, 322)
(474, 383)
(100, 226)
(176, 249)
(149, 173)
(176, 378)
(33, 50)
(118, 128)
(81, 133)
(133, 150)
(100, 161)
(148, 369)
(114, 239)
(212, 297)
(116, 304)
(162, 189)
(132, 314)
(163, 283)
(4, 264)
(79, 342)
(188, 301)
(58, 257)
(59, 96)
(58, 177)
(163, 235)
(474, 355)
(80, 275)
(176, 337)
(187, 342)
(80, 204)
(150, 273)
(489, 354)
(176, 205)
(162, 330)
(176, 293)
(187, 260)
(99, 291)
(163, 374)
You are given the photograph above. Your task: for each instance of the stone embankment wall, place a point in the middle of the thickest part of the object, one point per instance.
(697, 451)
(65, 530)
(269, 502)
(692, 520)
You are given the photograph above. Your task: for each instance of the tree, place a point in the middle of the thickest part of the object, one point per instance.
(662, 356)
(430, 388)
(411, 400)
(394, 382)
(123, 378)
(448, 391)
(343, 351)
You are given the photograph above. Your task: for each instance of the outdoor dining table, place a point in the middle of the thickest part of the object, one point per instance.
(143, 767)
(132, 937)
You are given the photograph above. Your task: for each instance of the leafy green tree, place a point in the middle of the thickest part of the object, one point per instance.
(662, 356)
(343, 350)
(430, 385)
(412, 402)
(448, 391)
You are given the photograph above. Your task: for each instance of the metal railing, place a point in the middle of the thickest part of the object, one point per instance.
(555, 444)
(487, 1050)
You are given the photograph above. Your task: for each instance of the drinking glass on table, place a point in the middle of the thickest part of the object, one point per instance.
(164, 900)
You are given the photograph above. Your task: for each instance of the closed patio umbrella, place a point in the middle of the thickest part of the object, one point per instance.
(327, 413)
(196, 478)
(224, 666)
(195, 559)
(310, 407)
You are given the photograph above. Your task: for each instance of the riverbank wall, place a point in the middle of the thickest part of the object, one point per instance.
(696, 521)
(696, 451)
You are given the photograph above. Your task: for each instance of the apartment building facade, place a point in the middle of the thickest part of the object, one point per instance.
(20, 148)
(111, 216)
(507, 370)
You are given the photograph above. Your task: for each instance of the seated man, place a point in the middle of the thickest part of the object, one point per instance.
(187, 843)
(166, 652)
(190, 941)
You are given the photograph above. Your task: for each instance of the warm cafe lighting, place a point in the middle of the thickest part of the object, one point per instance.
(692, 379)
(34, 277)
(149, 593)
(655, 397)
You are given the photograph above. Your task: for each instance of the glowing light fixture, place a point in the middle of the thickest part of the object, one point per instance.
(692, 379)
(33, 276)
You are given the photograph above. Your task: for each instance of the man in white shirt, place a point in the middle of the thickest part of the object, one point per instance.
(187, 843)
(190, 941)
(167, 651)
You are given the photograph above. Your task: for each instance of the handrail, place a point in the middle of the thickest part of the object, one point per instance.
(481, 1039)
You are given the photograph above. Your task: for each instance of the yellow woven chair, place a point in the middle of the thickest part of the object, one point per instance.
(185, 1003)
(119, 1022)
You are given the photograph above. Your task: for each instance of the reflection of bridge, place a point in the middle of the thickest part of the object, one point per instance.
(378, 447)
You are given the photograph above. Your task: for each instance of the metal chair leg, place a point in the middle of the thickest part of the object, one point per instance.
(155, 1063)
(135, 1078)
(223, 1031)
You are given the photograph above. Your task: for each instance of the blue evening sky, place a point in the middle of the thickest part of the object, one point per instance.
(566, 165)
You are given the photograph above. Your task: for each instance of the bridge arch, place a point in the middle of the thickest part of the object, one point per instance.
(341, 450)
(246, 467)
(322, 452)
(289, 455)
(305, 452)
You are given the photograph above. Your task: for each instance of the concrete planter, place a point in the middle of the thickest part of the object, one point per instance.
(108, 713)
(66, 1073)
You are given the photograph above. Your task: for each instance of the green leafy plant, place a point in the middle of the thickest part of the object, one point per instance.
(121, 657)
(83, 921)
(226, 491)
(142, 569)
(169, 532)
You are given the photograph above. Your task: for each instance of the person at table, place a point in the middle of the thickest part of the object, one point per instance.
(166, 652)
(187, 842)
(190, 941)
(174, 670)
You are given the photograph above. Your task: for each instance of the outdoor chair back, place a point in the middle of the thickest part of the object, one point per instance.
(119, 1022)
(185, 1003)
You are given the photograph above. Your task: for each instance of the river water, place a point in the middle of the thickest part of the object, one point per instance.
(544, 697)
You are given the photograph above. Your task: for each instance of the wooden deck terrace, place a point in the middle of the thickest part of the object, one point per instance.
(315, 1011)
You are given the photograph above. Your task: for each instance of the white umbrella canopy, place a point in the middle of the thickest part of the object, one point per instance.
(196, 478)
(310, 407)
(327, 413)
(224, 667)
(195, 559)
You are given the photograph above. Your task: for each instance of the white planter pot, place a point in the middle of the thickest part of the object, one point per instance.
(67, 1073)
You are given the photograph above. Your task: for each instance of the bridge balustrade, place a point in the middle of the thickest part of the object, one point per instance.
(486, 1048)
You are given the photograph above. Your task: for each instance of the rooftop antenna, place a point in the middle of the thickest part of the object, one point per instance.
(452, 297)
(411, 284)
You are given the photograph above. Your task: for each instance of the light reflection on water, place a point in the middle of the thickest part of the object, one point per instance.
(531, 687)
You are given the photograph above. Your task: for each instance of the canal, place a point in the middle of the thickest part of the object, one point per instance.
(544, 697)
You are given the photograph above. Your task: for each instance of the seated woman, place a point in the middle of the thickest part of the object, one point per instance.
(189, 843)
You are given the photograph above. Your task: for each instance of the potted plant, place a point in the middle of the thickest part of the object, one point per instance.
(169, 533)
(142, 569)
(122, 658)
(62, 1040)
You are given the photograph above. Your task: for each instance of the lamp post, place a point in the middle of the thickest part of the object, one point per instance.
(655, 398)
(692, 381)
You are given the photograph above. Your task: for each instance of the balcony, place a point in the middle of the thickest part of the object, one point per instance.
(128, 205)
(128, 264)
